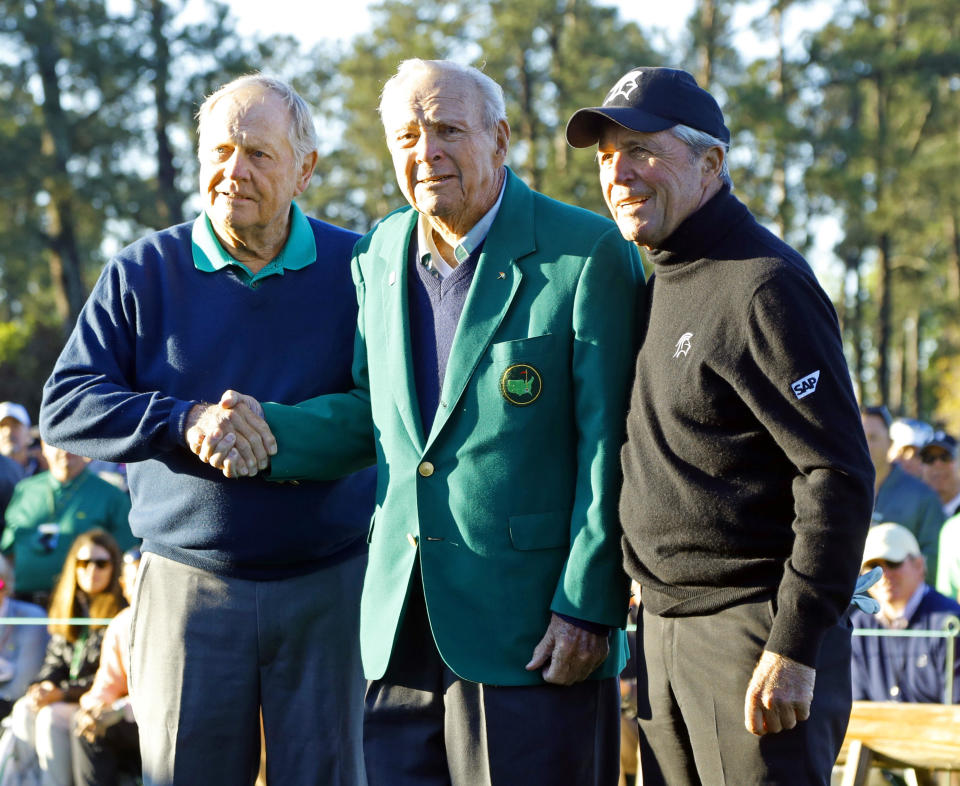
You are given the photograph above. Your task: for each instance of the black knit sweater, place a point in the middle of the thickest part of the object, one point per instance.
(746, 472)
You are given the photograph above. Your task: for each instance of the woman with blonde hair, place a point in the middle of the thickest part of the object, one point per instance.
(88, 587)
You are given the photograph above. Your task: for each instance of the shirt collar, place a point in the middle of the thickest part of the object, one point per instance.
(427, 250)
(951, 507)
(902, 620)
(299, 251)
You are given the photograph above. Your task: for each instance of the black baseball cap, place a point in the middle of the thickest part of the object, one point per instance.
(942, 440)
(650, 100)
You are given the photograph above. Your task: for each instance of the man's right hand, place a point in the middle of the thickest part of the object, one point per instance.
(232, 435)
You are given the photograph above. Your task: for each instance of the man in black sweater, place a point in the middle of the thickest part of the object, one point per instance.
(748, 487)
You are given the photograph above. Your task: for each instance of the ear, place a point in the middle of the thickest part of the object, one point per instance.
(503, 139)
(712, 162)
(306, 172)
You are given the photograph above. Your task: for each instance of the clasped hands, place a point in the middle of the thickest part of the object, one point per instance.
(232, 435)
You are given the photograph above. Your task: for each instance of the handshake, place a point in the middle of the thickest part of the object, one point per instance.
(231, 436)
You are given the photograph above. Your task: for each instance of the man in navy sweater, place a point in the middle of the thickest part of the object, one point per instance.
(248, 594)
(747, 487)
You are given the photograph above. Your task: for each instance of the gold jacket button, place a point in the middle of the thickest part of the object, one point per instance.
(412, 539)
(425, 469)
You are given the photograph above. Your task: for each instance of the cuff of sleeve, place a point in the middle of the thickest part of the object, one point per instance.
(177, 422)
(596, 628)
(795, 641)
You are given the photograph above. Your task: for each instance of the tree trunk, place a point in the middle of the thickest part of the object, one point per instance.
(784, 217)
(64, 258)
(884, 278)
(708, 20)
(169, 198)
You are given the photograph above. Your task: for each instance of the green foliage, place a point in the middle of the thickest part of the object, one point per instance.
(858, 124)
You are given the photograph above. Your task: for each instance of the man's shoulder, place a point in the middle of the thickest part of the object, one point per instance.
(163, 246)
(32, 484)
(902, 483)
(332, 233)
(95, 485)
(21, 608)
(935, 607)
(387, 230)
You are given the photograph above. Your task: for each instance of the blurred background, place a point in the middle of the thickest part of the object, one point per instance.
(845, 118)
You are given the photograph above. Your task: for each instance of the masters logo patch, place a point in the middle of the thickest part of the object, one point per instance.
(521, 384)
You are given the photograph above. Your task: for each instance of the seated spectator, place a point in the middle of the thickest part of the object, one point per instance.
(49, 510)
(909, 669)
(89, 586)
(105, 741)
(907, 437)
(15, 437)
(941, 472)
(900, 497)
(21, 646)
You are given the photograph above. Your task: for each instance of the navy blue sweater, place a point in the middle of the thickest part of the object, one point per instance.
(157, 336)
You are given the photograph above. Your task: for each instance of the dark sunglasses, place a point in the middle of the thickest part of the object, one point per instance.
(935, 457)
(883, 563)
(97, 563)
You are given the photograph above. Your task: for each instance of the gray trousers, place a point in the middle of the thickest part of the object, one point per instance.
(424, 726)
(692, 680)
(208, 653)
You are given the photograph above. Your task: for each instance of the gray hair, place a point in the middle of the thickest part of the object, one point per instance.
(492, 106)
(700, 142)
(301, 133)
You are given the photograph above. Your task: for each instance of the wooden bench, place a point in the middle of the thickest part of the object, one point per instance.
(922, 737)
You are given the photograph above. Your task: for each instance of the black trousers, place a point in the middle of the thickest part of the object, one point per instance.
(692, 680)
(424, 726)
(100, 763)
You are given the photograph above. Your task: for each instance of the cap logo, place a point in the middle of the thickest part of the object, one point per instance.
(628, 84)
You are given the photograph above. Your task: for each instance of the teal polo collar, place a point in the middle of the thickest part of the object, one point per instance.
(299, 251)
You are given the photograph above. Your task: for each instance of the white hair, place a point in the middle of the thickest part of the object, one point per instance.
(492, 108)
(301, 133)
(700, 142)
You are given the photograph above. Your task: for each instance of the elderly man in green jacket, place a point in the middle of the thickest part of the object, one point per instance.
(493, 356)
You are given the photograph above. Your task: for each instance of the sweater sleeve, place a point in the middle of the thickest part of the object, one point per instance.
(91, 405)
(793, 376)
(329, 436)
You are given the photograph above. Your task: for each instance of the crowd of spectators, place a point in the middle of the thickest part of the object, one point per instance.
(63, 696)
(63, 529)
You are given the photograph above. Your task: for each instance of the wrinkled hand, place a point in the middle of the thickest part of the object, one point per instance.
(41, 694)
(779, 694)
(569, 653)
(231, 436)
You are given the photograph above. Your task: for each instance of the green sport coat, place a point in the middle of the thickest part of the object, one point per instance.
(510, 501)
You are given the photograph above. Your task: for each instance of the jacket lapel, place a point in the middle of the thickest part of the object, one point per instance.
(396, 315)
(494, 286)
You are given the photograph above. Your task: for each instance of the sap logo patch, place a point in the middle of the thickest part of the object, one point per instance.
(805, 385)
